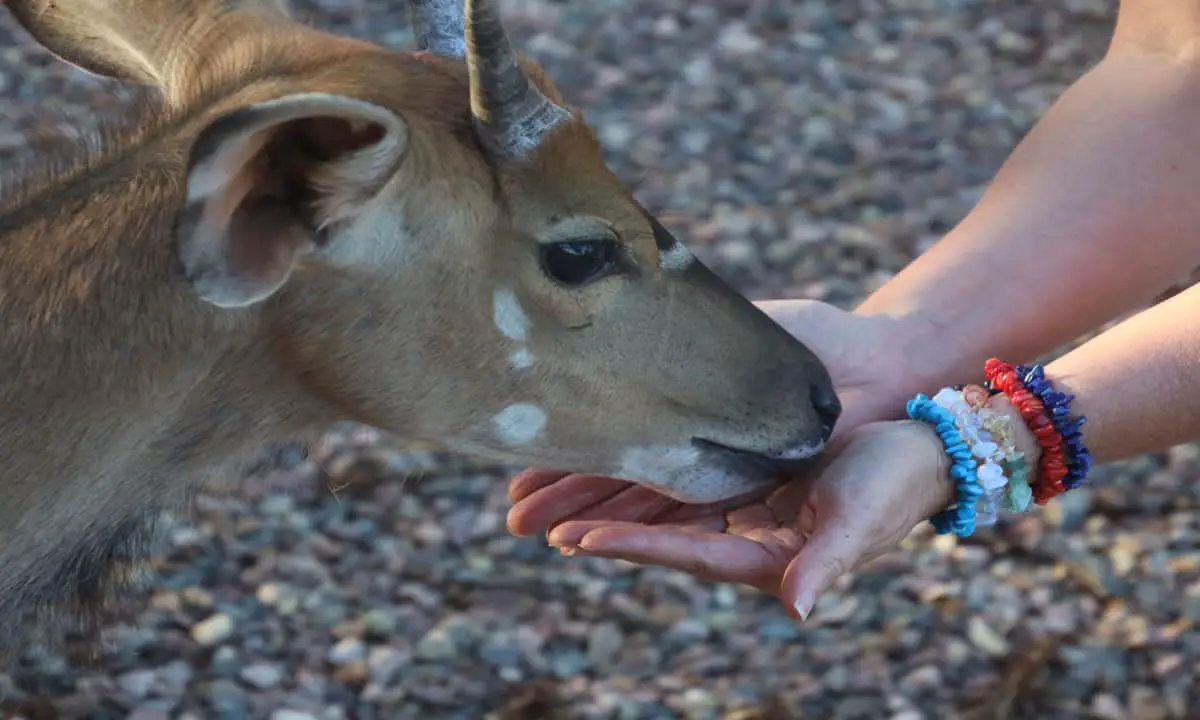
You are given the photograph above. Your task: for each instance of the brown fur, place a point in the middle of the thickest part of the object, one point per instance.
(124, 391)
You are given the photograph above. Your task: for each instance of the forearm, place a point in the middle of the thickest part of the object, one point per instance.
(1091, 216)
(1139, 382)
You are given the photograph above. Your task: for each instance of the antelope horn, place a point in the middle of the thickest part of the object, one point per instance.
(439, 26)
(512, 116)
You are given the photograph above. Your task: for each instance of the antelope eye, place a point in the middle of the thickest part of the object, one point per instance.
(578, 262)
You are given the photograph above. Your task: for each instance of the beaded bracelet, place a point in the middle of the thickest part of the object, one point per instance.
(1052, 468)
(991, 437)
(1058, 405)
(986, 465)
(966, 405)
(961, 518)
(1018, 494)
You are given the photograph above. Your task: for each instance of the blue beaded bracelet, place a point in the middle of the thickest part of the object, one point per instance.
(959, 519)
(1058, 408)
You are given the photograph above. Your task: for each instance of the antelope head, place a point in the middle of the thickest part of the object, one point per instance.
(433, 244)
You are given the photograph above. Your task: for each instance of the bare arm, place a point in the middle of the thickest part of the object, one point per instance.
(1139, 382)
(1092, 216)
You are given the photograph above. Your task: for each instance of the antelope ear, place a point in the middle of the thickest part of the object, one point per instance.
(266, 180)
(132, 40)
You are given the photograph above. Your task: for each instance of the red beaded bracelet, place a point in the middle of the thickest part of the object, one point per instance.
(1052, 466)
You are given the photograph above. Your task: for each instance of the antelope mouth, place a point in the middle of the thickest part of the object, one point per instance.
(759, 465)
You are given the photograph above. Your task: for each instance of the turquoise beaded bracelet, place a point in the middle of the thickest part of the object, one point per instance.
(959, 519)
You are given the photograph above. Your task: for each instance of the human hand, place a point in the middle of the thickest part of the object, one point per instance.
(883, 480)
(860, 353)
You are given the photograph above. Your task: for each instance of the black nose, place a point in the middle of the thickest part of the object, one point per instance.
(829, 408)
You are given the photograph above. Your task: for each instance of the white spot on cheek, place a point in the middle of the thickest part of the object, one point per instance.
(519, 424)
(520, 359)
(676, 258)
(509, 317)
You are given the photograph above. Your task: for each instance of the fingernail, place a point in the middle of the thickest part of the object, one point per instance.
(806, 600)
(568, 550)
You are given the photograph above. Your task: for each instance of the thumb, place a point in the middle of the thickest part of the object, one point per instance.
(824, 559)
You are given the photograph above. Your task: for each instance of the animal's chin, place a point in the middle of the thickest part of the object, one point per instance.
(747, 491)
(723, 474)
(703, 485)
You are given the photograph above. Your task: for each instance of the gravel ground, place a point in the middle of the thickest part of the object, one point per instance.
(805, 148)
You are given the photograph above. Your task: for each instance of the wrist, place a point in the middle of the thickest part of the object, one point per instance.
(991, 453)
(1023, 438)
(940, 492)
(921, 352)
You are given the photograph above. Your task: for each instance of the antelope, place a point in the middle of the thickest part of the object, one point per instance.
(301, 228)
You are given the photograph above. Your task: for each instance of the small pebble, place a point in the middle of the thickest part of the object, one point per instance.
(292, 715)
(604, 642)
(985, 638)
(347, 651)
(137, 683)
(213, 630)
(262, 675)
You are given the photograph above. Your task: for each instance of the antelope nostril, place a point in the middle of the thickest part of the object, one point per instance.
(829, 408)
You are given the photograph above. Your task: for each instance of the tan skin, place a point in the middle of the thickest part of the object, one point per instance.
(1099, 186)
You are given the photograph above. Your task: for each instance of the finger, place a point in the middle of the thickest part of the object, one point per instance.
(560, 500)
(745, 519)
(687, 511)
(571, 532)
(530, 480)
(836, 547)
(713, 557)
(631, 504)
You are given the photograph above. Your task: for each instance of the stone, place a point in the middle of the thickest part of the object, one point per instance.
(378, 624)
(500, 651)
(285, 714)
(1012, 43)
(149, 712)
(347, 651)
(262, 675)
(449, 638)
(568, 664)
(197, 598)
(1107, 707)
(213, 630)
(1123, 554)
(1146, 704)
(604, 644)
(688, 631)
(985, 638)
(835, 608)
(860, 707)
(736, 39)
(1167, 664)
(925, 677)
(174, 677)
(384, 663)
(137, 683)
(352, 673)
(225, 662)
(227, 700)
